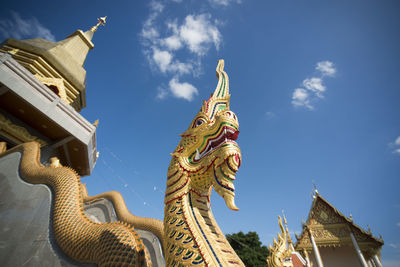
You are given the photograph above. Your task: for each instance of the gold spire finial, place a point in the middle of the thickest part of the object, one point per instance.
(315, 188)
(289, 239)
(284, 218)
(100, 21)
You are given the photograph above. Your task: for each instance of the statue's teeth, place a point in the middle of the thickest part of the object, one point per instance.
(197, 157)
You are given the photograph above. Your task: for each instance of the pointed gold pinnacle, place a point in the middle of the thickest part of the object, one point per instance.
(100, 22)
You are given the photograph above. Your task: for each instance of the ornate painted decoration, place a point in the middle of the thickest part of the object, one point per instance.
(17, 133)
(207, 157)
(280, 254)
(331, 228)
(56, 85)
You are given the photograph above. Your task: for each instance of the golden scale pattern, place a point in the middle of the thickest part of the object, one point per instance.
(191, 235)
(183, 251)
(108, 244)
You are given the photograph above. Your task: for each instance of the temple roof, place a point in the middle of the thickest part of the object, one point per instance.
(330, 227)
(57, 60)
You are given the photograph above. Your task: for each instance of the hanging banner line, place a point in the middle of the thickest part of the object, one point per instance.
(128, 166)
(126, 185)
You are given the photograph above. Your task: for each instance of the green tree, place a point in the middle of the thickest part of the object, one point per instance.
(249, 248)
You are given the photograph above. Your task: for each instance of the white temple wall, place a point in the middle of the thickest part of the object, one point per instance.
(339, 256)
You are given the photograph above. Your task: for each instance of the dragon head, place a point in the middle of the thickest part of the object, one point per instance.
(207, 155)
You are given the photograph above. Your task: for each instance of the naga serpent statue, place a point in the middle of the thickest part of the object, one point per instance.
(207, 157)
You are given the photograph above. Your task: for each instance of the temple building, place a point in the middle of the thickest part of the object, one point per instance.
(329, 238)
(42, 91)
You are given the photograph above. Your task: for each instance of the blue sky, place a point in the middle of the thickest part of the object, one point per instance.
(315, 85)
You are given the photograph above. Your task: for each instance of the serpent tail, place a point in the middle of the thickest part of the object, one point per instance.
(107, 244)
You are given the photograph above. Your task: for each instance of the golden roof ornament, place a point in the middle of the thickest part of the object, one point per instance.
(289, 239)
(280, 254)
(315, 193)
(96, 123)
(100, 22)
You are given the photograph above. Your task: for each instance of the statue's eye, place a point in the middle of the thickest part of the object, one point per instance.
(199, 122)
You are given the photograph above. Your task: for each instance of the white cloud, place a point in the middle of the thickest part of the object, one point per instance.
(182, 90)
(270, 115)
(175, 45)
(180, 67)
(326, 68)
(395, 145)
(223, 2)
(173, 25)
(313, 88)
(156, 6)
(300, 97)
(161, 93)
(162, 59)
(198, 33)
(314, 84)
(149, 31)
(397, 142)
(173, 42)
(300, 94)
(19, 28)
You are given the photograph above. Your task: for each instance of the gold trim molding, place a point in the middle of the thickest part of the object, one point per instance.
(57, 82)
(17, 133)
(148, 224)
(39, 67)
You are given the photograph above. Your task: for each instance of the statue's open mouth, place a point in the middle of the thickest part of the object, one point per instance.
(226, 135)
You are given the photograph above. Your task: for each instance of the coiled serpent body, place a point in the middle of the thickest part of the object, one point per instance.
(107, 244)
